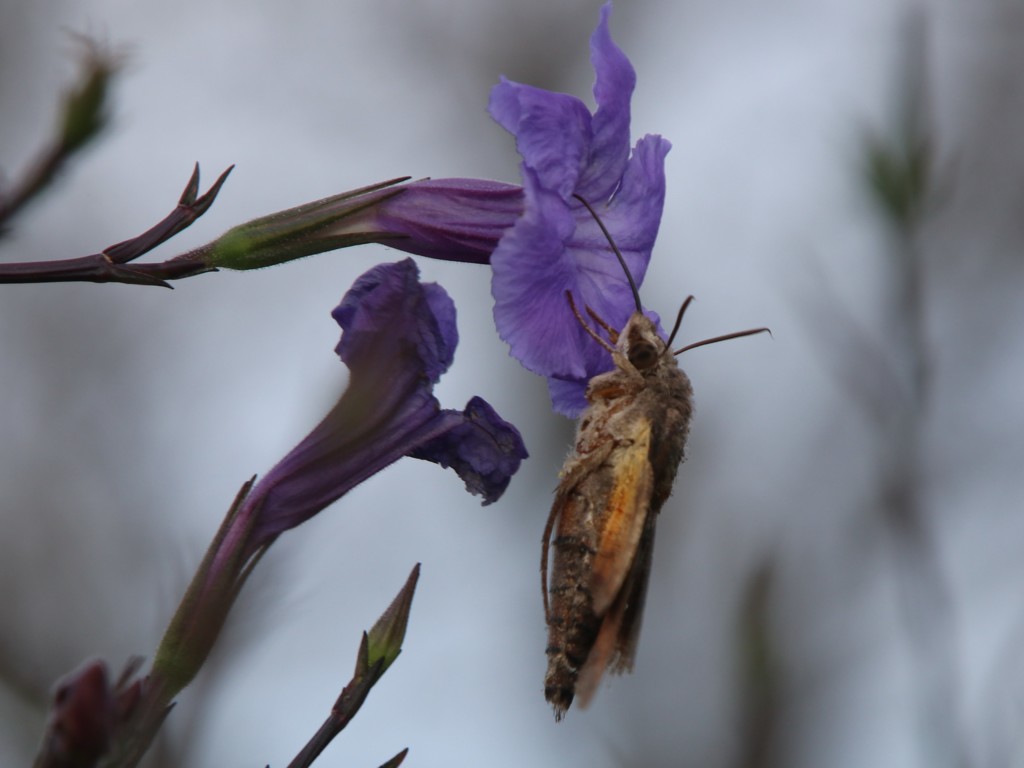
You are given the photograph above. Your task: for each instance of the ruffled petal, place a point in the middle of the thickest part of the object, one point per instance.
(634, 213)
(552, 131)
(613, 89)
(531, 271)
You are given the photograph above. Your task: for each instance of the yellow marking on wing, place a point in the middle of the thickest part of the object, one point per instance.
(626, 510)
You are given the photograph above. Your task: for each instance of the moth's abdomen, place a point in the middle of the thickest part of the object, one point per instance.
(572, 625)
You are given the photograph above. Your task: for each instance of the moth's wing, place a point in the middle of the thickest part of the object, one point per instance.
(615, 646)
(627, 508)
(567, 504)
(545, 546)
(634, 595)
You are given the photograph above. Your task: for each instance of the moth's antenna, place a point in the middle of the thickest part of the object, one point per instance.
(726, 337)
(615, 248)
(679, 321)
(612, 333)
(587, 328)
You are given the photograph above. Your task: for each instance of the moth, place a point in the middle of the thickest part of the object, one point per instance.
(599, 535)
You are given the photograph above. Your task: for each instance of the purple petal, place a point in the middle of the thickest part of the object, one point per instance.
(484, 449)
(634, 213)
(568, 397)
(613, 88)
(552, 131)
(532, 270)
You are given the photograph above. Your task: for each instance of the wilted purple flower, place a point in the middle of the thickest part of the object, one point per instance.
(398, 337)
(556, 246)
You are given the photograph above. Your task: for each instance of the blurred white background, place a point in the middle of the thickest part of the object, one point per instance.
(129, 416)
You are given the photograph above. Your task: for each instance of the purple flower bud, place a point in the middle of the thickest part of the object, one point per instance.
(451, 219)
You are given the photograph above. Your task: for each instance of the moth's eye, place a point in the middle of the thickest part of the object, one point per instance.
(643, 355)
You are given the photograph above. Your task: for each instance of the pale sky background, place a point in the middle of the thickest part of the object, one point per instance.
(129, 416)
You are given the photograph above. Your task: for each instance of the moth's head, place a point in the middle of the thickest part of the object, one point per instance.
(640, 342)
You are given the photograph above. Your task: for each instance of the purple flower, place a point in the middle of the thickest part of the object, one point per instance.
(398, 337)
(556, 246)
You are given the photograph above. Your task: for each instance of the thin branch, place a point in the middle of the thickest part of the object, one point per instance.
(111, 265)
